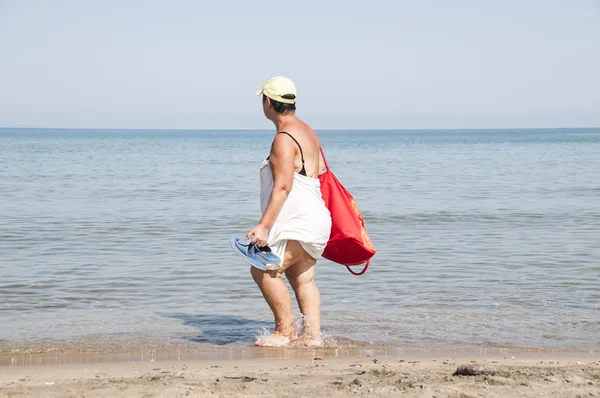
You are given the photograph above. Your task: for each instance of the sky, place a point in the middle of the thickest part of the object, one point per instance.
(395, 64)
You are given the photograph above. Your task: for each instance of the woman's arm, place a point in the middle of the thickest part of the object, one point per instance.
(283, 153)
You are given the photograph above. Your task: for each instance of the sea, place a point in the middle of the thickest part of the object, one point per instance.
(119, 240)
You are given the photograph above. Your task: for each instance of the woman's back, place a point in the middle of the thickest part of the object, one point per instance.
(308, 147)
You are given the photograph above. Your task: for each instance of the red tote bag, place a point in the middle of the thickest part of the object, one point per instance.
(348, 243)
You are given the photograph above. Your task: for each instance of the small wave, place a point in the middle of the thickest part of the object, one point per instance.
(267, 339)
(484, 218)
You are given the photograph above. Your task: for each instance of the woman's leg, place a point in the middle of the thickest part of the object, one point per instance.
(302, 279)
(277, 295)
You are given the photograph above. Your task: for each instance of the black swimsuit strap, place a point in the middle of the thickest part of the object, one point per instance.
(303, 170)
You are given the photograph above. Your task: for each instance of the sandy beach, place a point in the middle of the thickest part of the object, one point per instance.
(511, 375)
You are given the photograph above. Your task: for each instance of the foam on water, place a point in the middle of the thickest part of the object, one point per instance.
(267, 338)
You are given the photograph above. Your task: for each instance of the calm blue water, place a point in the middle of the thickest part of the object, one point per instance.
(117, 238)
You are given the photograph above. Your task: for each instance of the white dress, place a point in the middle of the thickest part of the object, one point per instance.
(303, 217)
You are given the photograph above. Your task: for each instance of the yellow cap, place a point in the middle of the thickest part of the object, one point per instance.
(277, 87)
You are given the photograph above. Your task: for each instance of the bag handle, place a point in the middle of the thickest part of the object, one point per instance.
(321, 150)
(361, 272)
(324, 158)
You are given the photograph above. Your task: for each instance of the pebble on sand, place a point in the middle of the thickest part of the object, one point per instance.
(474, 369)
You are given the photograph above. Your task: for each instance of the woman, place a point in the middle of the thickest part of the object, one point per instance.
(295, 222)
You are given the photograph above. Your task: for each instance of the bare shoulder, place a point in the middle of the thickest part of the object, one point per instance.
(296, 135)
(282, 144)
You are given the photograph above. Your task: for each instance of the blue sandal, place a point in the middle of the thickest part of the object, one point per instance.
(266, 255)
(258, 257)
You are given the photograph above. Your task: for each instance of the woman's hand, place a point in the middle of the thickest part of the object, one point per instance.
(261, 235)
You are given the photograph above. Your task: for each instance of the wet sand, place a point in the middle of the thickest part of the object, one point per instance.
(512, 375)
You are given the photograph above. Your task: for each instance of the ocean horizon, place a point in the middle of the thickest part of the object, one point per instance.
(457, 129)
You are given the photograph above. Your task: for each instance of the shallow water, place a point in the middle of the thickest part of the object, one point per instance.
(116, 239)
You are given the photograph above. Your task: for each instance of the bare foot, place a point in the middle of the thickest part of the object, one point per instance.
(308, 341)
(276, 339)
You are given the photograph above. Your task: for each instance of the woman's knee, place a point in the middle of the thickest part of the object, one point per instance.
(299, 279)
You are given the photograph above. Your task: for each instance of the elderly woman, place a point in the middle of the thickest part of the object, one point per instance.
(295, 222)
